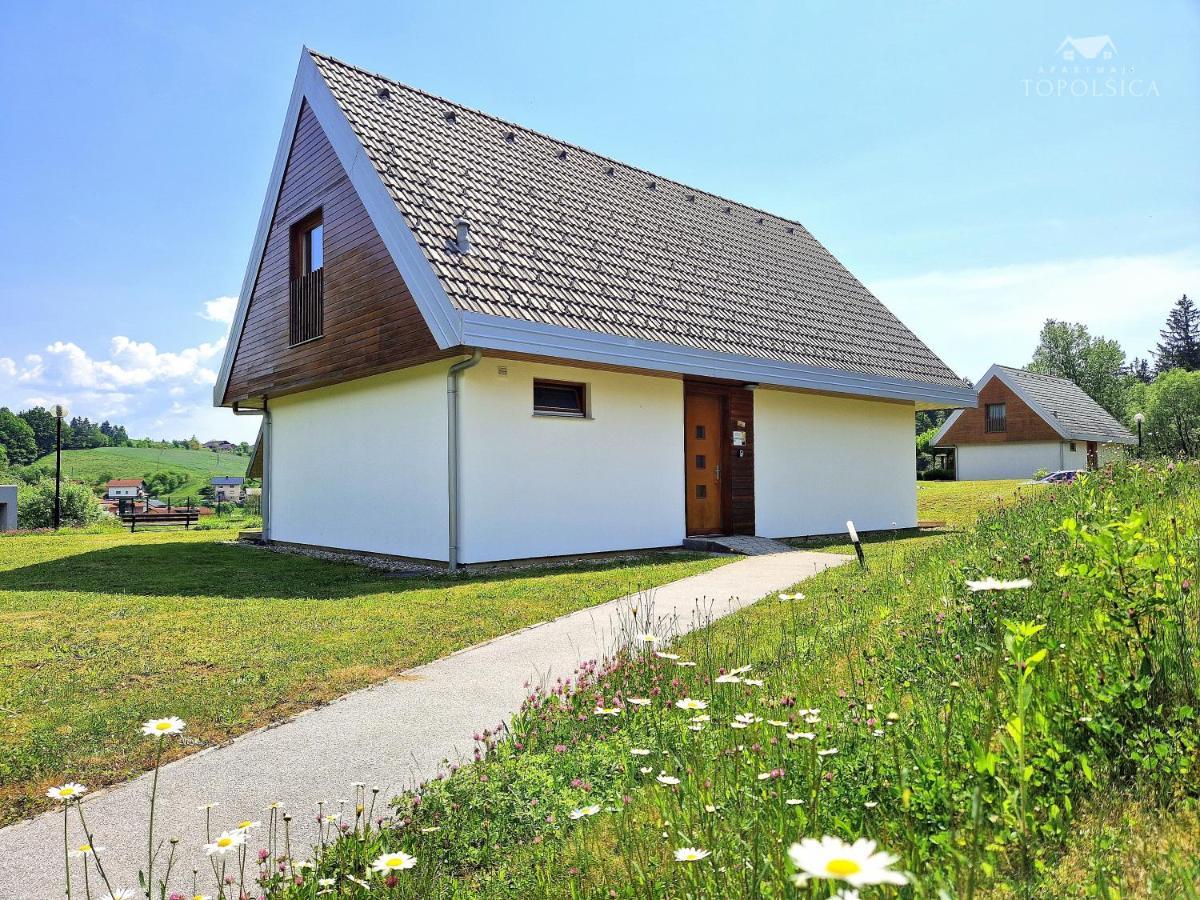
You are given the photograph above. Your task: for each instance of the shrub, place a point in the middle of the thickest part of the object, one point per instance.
(35, 505)
(935, 473)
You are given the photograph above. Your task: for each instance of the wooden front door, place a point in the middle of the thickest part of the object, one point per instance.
(703, 445)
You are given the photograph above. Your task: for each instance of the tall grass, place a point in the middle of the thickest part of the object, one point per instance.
(965, 731)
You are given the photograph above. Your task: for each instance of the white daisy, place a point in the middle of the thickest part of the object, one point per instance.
(792, 801)
(226, 841)
(67, 792)
(703, 717)
(120, 894)
(689, 703)
(801, 736)
(638, 701)
(857, 864)
(728, 679)
(691, 854)
(607, 711)
(992, 584)
(827, 752)
(84, 850)
(753, 682)
(394, 862)
(638, 751)
(697, 727)
(163, 727)
(584, 811)
(664, 778)
(685, 664)
(648, 638)
(662, 655)
(646, 770)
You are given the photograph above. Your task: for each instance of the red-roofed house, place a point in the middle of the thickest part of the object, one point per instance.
(124, 489)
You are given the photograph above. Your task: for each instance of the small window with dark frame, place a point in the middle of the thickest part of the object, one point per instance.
(996, 417)
(306, 307)
(559, 398)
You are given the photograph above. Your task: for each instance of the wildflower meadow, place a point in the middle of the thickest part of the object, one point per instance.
(1006, 712)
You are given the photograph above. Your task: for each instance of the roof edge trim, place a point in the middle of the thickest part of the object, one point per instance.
(517, 335)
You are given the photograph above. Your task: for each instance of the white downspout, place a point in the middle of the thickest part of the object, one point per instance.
(452, 384)
(266, 461)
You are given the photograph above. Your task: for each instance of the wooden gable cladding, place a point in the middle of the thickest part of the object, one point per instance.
(737, 462)
(371, 323)
(1023, 424)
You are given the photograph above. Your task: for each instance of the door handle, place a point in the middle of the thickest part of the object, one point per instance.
(717, 470)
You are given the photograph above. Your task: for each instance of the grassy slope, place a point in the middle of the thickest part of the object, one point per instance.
(136, 462)
(877, 637)
(98, 631)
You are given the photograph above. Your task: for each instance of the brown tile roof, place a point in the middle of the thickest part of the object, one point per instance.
(566, 237)
(125, 482)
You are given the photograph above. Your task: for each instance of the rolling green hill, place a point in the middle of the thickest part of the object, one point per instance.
(102, 463)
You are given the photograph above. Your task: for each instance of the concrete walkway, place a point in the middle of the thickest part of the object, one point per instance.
(392, 735)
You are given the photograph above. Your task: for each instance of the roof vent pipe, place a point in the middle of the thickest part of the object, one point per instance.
(462, 238)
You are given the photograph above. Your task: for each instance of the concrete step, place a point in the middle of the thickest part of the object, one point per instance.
(745, 544)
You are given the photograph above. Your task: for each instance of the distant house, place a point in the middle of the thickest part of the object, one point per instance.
(1025, 422)
(220, 446)
(228, 488)
(124, 489)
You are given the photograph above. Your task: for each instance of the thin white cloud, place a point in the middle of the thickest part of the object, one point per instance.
(163, 393)
(975, 317)
(220, 310)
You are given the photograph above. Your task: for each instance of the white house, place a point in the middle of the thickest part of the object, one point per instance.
(1025, 422)
(228, 488)
(472, 342)
(124, 489)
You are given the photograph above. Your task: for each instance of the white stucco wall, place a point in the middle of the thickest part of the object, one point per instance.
(362, 465)
(544, 486)
(820, 460)
(1019, 459)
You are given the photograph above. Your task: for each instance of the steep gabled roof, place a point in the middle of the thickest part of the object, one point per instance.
(1061, 403)
(576, 255)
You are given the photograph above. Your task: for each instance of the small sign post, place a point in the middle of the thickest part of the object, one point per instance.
(858, 550)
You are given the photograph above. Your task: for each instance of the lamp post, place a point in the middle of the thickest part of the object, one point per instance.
(1139, 418)
(60, 413)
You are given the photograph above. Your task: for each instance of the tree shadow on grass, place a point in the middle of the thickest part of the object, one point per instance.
(842, 541)
(218, 570)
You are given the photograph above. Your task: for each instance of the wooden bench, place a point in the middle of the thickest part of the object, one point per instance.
(187, 519)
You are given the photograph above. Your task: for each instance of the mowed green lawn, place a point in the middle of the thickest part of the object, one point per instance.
(99, 632)
(958, 503)
(102, 463)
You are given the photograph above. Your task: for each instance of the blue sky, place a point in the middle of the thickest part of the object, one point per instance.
(928, 145)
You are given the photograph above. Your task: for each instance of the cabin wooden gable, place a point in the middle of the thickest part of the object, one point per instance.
(370, 322)
(1022, 423)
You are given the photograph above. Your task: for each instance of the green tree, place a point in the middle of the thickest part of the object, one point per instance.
(1180, 344)
(41, 420)
(1173, 413)
(3, 459)
(1096, 364)
(17, 438)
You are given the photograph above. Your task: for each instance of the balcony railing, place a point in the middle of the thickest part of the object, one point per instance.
(307, 307)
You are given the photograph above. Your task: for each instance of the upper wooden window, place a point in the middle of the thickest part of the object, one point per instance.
(996, 417)
(559, 398)
(306, 307)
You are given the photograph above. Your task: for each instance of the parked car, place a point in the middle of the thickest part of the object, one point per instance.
(1066, 476)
